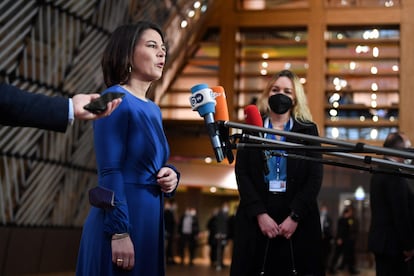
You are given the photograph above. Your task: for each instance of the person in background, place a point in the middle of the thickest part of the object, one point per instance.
(278, 229)
(126, 236)
(221, 235)
(212, 242)
(24, 109)
(391, 234)
(170, 227)
(189, 229)
(345, 242)
(327, 235)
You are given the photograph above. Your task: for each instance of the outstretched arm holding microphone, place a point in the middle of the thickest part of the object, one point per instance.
(25, 109)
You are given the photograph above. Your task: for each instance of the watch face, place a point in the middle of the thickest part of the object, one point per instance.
(294, 216)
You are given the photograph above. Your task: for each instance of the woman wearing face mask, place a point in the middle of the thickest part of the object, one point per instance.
(278, 228)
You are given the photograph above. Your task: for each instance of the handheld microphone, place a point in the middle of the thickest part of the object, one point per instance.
(202, 100)
(222, 114)
(253, 117)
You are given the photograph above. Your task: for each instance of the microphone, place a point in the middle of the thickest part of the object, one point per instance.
(222, 114)
(202, 100)
(252, 117)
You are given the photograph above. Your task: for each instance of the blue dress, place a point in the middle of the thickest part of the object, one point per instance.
(131, 148)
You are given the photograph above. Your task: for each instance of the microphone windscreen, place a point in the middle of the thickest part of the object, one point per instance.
(222, 112)
(252, 115)
(202, 99)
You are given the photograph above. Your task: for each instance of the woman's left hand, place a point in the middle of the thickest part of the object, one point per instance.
(167, 179)
(287, 228)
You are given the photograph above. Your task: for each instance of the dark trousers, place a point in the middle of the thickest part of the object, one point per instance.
(169, 248)
(213, 252)
(187, 240)
(326, 251)
(338, 252)
(347, 250)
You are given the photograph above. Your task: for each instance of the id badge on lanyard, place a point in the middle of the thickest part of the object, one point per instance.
(276, 183)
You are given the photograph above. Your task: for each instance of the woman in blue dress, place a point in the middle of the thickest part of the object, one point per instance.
(131, 152)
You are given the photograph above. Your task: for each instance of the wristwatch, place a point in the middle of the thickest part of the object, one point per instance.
(294, 216)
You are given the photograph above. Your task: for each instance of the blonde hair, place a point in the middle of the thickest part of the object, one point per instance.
(300, 110)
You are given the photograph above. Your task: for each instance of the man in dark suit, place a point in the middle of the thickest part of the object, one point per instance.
(25, 109)
(391, 236)
(347, 230)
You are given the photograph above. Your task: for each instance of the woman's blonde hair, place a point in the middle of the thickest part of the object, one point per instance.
(300, 110)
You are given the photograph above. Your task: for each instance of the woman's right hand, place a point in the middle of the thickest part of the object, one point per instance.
(267, 225)
(123, 254)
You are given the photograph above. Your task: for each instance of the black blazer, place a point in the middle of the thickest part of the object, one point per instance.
(25, 109)
(391, 229)
(304, 179)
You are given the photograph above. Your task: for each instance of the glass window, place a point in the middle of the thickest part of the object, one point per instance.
(363, 3)
(262, 53)
(362, 82)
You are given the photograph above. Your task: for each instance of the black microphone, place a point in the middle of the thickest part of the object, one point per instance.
(202, 100)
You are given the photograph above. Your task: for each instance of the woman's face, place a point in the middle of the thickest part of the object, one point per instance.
(283, 85)
(149, 56)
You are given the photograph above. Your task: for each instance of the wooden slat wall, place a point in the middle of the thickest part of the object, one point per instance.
(54, 47)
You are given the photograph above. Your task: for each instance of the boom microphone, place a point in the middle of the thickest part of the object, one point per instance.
(253, 117)
(222, 114)
(202, 100)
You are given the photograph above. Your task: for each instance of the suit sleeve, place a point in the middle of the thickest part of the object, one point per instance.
(25, 109)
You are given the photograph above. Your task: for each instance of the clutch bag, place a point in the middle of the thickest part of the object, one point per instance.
(101, 197)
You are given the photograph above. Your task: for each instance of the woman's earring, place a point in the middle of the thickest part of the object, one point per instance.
(129, 68)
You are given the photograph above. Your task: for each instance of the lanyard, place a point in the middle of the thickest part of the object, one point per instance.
(275, 160)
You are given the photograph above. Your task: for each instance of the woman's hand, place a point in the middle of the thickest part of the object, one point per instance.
(288, 227)
(167, 179)
(267, 225)
(123, 254)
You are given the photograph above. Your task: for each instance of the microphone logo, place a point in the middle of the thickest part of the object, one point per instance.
(196, 99)
(202, 99)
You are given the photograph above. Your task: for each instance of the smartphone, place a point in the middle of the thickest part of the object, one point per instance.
(98, 105)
